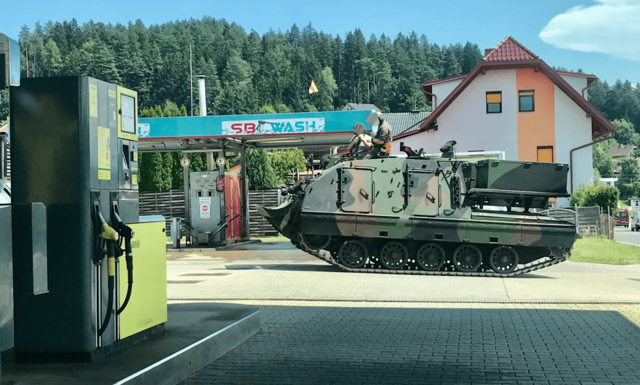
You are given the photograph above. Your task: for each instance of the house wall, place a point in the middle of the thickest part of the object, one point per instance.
(573, 129)
(577, 82)
(466, 120)
(535, 128)
(442, 90)
(557, 121)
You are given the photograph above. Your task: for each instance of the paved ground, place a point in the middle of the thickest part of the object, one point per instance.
(281, 272)
(572, 323)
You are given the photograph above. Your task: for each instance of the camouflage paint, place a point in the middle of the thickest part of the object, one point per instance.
(420, 200)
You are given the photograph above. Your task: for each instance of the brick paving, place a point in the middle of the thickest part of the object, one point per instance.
(395, 343)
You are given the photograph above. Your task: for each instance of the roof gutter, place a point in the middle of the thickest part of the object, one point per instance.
(587, 87)
(598, 140)
(434, 96)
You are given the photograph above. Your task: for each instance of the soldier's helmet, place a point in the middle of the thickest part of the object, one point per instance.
(358, 128)
(373, 119)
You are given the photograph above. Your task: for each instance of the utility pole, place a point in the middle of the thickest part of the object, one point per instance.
(191, 76)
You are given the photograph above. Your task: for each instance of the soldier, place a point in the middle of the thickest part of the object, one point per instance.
(380, 145)
(361, 142)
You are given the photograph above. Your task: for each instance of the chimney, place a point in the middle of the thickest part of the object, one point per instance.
(486, 51)
(203, 95)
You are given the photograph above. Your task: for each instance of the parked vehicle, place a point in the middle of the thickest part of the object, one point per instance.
(635, 222)
(622, 217)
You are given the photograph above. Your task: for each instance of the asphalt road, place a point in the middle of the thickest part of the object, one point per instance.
(624, 234)
(279, 272)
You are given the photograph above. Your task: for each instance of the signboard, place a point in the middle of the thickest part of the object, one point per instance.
(272, 126)
(185, 162)
(221, 161)
(248, 125)
(205, 208)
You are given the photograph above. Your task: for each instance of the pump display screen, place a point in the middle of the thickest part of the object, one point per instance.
(128, 108)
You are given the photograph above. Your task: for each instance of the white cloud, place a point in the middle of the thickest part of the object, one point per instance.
(610, 26)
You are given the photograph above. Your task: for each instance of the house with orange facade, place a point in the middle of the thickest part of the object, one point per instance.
(513, 102)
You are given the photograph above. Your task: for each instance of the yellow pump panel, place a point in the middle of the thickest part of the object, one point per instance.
(148, 304)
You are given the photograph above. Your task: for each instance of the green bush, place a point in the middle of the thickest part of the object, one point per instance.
(596, 195)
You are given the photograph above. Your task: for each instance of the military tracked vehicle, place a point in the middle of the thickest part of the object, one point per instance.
(428, 215)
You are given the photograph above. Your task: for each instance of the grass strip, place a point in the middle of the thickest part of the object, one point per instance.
(606, 251)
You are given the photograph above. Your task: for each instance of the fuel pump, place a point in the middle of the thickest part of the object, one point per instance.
(75, 149)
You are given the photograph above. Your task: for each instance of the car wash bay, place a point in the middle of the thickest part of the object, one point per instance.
(205, 223)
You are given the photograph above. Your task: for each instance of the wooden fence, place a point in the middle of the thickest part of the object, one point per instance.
(259, 226)
(168, 203)
(171, 204)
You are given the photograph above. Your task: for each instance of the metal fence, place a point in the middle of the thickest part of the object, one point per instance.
(9, 162)
(589, 221)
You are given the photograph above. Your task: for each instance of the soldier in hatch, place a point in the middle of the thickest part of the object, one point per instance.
(358, 145)
(380, 145)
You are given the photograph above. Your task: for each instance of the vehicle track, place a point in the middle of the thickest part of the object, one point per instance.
(324, 256)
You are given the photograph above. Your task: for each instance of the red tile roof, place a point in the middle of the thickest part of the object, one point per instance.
(510, 49)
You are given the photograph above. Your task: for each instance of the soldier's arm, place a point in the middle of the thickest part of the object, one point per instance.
(353, 143)
(365, 140)
(383, 136)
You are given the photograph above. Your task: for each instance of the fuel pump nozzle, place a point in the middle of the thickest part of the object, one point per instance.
(126, 233)
(110, 236)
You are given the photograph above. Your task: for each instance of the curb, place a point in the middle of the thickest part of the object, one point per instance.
(209, 249)
(186, 362)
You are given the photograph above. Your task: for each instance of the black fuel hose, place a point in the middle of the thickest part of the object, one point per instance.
(111, 284)
(127, 233)
(129, 260)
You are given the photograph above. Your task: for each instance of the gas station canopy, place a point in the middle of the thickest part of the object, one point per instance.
(217, 133)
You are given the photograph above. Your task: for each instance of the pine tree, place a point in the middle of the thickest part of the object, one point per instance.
(471, 56)
(259, 171)
(451, 64)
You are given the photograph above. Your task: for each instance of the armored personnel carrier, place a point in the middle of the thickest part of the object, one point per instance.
(428, 215)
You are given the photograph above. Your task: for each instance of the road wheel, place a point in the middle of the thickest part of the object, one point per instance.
(503, 259)
(430, 257)
(467, 258)
(316, 241)
(394, 256)
(353, 254)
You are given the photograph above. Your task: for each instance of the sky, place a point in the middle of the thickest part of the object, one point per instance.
(601, 37)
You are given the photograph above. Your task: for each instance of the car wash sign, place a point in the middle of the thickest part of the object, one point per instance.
(299, 123)
(273, 126)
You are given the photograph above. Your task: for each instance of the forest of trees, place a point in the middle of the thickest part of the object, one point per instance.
(249, 73)
(246, 71)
